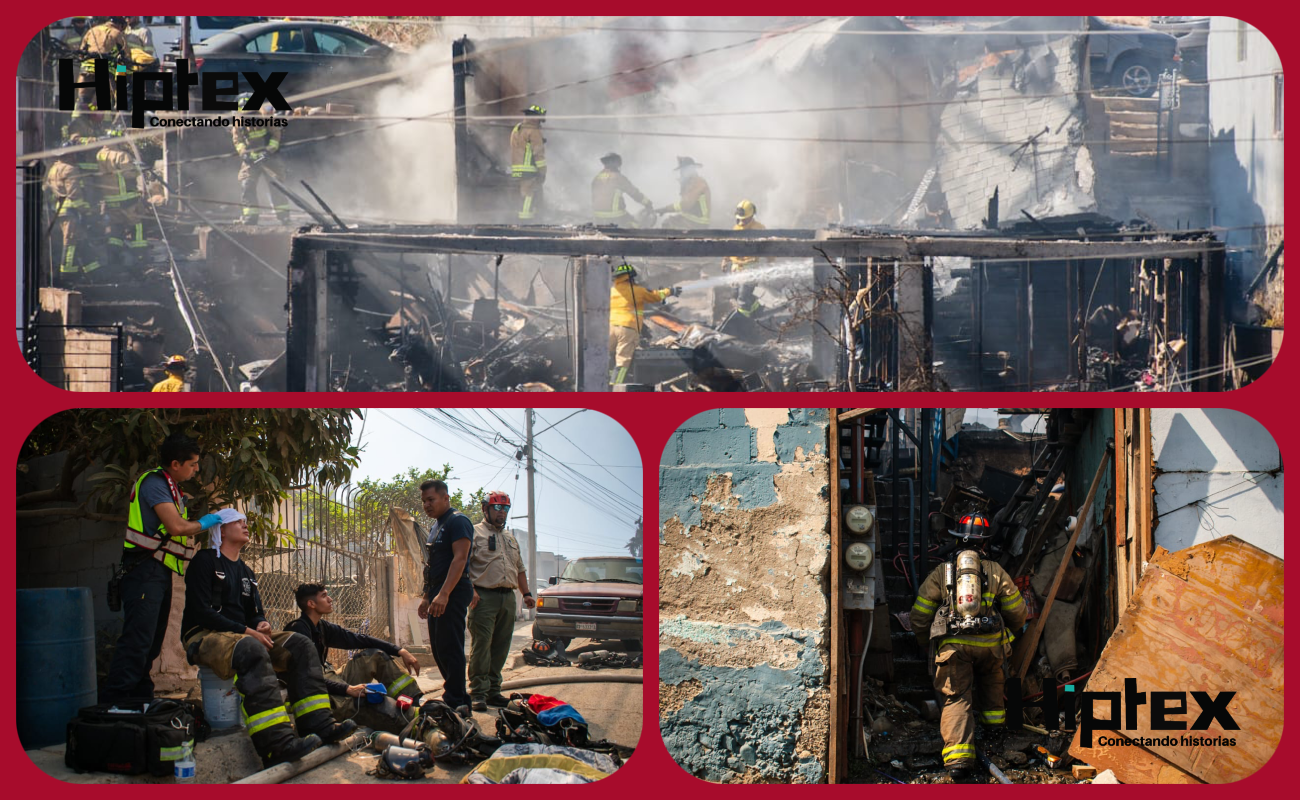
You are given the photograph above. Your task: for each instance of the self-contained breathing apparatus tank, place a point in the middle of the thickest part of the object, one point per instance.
(964, 579)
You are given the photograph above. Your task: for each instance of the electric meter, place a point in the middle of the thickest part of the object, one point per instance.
(859, 519)
(858, 556)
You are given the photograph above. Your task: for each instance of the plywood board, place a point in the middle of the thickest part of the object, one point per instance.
(1208, 618)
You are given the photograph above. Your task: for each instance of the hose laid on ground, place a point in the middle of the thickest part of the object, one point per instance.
(283, 772)
(525, 682)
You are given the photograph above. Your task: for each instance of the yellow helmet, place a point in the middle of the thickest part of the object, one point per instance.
(745, 211)
(176, 362)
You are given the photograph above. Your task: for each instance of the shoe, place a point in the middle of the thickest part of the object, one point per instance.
(464, 712)
(338, 731)
(498, 701)
(478, 704)
(296, 749)
(959, 773)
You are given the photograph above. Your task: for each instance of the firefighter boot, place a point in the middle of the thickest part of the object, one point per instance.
(296, 656)
(267, 720)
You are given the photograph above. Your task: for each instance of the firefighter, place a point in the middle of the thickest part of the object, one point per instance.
(105, 41)
(692, 209)
(528, 161)
(607, 190)
(138, 35)
(746, 303)
(157, 544)
(224, 628)
(377, 660)
(966, 610)
(76, 33)
(496, 568)
(75, 209)
(257, 148)
(123, 208)
(626, 310)
(176, 367)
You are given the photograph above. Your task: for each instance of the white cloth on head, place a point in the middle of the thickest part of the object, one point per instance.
(227, 515)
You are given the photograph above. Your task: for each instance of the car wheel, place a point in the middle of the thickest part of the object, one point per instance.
(631, 645)
(1136, 75)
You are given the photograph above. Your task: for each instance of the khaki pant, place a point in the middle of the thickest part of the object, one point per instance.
(491, 627)
(967, 676)
(218, 647)
(623, 343)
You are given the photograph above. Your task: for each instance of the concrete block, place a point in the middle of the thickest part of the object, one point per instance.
(704, 421)
(731, 417)
(45, 561)
(1082, 771)
(76, 558)
(672, 454)
(718, 446)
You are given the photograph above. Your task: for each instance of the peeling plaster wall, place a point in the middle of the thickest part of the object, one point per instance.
(744, 573)
(1218, 473)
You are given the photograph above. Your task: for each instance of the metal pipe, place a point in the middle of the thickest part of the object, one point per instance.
(993, 770)
(893, 509)
(862, 659)
(859, 495)
(927, 437)
(283, 772)
(911, 530)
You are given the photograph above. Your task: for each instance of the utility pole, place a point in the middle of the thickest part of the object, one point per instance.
(532, 506)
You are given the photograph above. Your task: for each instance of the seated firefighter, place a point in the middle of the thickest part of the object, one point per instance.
(966, 609)
(378, 661)
(224, 628)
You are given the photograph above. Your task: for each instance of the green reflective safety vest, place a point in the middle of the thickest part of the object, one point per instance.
(174, 551)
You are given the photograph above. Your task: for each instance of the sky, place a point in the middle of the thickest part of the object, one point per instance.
(395, 439)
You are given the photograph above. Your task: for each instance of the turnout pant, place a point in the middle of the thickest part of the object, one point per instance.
(146, 605)
(491, 626)
(370, 666)
(623, 343)
(78, 252)
(530, 198)
(250, 175)
(447, 640)
(967, 676)
(124, 228)
(254, 668)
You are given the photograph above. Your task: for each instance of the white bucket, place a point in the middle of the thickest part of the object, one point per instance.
(220, 700)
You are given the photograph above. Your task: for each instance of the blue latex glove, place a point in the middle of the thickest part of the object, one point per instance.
(208, 520)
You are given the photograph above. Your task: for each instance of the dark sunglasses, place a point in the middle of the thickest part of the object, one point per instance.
(499, 507)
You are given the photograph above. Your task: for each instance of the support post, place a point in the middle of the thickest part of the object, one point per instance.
(591, 279)
(532, 506)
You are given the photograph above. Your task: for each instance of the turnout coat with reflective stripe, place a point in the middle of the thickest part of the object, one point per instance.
(1001, 597)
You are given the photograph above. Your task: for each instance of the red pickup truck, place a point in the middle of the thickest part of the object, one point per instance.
(596, 598)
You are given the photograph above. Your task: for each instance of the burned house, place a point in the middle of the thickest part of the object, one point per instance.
(786, 652)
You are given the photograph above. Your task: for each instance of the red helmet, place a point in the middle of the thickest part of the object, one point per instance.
(973, 526)
(497, 498)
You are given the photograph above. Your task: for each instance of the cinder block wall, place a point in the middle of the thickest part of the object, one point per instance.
(744, 571)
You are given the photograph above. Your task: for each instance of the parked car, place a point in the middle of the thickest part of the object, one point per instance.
(595, 598)
(1193, 35)
(1128, 57)
(313, 55)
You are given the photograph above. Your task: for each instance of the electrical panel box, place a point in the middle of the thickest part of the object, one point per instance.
(860, 569)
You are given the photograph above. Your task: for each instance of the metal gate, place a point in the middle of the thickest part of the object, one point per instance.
(342, 539)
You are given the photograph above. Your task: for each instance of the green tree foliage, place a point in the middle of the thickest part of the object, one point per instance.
(253, 456)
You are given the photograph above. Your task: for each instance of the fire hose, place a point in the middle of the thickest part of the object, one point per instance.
(283, 772)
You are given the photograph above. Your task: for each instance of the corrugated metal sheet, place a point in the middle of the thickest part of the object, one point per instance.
(1208, 618)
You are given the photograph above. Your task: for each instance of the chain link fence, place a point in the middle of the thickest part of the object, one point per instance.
(363, 547)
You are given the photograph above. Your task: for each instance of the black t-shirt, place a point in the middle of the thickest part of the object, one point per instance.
(450, 527)
(220, 595)
(327, 635)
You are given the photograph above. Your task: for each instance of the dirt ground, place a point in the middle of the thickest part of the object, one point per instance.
(613, 711)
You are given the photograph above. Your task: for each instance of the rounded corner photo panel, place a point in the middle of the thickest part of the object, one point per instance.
(971, 596)
(327, 596)
(649, 204)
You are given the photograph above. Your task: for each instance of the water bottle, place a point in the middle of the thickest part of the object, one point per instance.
(185, 769)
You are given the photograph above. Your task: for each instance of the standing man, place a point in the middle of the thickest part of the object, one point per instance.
(528, 161)
(968, 620)
(176, 367)
(104, 41)
(496, 569)
(119, 191)
(138, 35)
(447, 590)
(692, 209)
(746, 220)
(158, 532)
(626, 311)
(224, 628)
(607, 190)
(257, 147)
(378, 660)
(75, 209)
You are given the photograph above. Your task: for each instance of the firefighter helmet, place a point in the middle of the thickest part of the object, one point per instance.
(542, 647)
(745, 211)
(118, 21)
(973, 527)
(612, 160)
(241, 102)
(497, 498)
(176, 363)
(534, 111)
(625, 269)
(686, 161)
